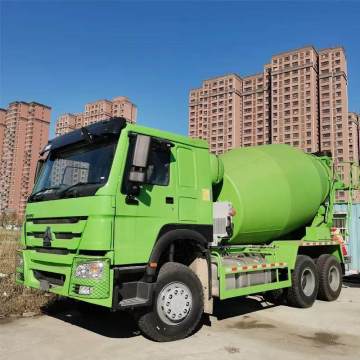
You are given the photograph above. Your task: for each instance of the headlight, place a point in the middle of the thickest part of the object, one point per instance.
(91, 270)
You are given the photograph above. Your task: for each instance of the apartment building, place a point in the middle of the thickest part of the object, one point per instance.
(25, 128)
(2, 129)
(213, 111)
(354, 137)
(300, 99)
(354, 147)
(95, 111)
(255, 96)
(294, 99)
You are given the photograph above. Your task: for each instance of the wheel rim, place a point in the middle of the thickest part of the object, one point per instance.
(334, 278)
(308, 282)
(174, 303)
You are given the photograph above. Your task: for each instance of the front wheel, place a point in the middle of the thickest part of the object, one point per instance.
(177, 307)
(305, 283)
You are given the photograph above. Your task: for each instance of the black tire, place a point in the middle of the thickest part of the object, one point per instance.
(305, 283)
(275, 297)
(154, 323)
(330, 277)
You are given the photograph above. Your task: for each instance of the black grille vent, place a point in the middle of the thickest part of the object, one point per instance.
(58, 235)
(60, 220)
(52, 278)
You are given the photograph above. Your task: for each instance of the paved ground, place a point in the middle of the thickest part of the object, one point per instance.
(245, 329)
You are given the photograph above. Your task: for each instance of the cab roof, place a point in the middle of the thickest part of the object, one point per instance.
(168, 136)
(113, 127)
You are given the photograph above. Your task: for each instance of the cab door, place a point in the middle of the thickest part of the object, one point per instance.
(187, 188)
(140, 217)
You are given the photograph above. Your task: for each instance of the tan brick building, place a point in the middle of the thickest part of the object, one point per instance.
(213, 110)
(2, 129)
(354, 147)
(354, 133)
(300, 99)
(95, 111)
(294, 99)
(24, 129)
(256, 108)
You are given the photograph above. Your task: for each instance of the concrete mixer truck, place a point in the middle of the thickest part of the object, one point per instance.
(137, 219)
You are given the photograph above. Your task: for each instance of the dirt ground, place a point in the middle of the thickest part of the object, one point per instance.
(15, 299)
(245, 328)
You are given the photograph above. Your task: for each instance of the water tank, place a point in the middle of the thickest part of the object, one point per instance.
(275, 189)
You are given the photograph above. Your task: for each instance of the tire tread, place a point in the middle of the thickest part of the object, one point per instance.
(294, 293)
(323, 263)
(145, 322)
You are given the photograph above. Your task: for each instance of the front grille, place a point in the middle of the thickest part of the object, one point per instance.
(52, 278)
(59, 220)
(52, 251)
(66, 235)
(58, 235)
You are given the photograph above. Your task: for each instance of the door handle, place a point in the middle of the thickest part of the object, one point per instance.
(169, 200)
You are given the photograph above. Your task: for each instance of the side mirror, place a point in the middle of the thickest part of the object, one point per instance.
(137, 173)
(39, 166)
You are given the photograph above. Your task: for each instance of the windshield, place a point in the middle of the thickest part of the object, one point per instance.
(74, 172)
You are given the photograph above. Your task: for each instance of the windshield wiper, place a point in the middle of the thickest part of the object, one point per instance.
(43, 190)
(80, 183)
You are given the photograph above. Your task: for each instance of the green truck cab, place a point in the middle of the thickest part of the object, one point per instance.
(137, 219)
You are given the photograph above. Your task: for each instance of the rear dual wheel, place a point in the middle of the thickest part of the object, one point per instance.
(322, 280)
(330, 277)
(305, 283)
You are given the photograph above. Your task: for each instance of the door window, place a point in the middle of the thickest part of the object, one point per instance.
(158, 166)
(158, 169)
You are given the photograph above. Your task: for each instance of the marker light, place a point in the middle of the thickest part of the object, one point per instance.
(84, 290)
(232, 212)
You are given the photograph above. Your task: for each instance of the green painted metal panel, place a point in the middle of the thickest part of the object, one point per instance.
(137, 226)
(255, 289)
(94, 232)
(275, 189)
(66, 265)
(186, 167)
(284, 251)
(187, 184)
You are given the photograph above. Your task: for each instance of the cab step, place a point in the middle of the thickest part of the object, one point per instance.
(133, 302)
(134, 294)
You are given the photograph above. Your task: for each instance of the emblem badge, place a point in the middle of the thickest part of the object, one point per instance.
(47, 237)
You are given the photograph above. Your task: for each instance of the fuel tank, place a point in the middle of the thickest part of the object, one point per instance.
(275, 190)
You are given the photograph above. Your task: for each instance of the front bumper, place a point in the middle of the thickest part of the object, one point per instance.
(56, 273)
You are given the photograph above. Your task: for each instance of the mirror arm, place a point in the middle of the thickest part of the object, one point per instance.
(131, 200)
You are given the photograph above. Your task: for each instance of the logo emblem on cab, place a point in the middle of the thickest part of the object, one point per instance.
(47, 237)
